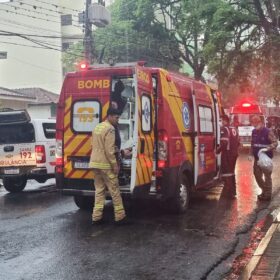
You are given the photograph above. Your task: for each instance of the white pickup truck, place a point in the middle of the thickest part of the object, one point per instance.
(27, 149)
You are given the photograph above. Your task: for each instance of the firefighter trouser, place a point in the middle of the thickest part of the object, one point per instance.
(263, 179)
(228, 162)
(103, 179)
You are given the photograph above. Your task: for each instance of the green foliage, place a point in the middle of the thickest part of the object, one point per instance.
(236, 41)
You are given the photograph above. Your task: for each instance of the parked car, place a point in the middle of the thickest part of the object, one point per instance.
(27, 149)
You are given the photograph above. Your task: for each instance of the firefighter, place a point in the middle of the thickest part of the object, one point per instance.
(105, 167)
(117, 100)
(263, 139)
(229, 149)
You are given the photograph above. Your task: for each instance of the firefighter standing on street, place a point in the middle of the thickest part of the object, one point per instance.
(263, 139)
(229, 150)
(106, 168)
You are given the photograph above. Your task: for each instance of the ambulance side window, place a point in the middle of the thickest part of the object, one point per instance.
(205, 119)
(146, 113)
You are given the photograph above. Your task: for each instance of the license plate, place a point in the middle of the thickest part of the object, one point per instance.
(81, 164)
(11, 171)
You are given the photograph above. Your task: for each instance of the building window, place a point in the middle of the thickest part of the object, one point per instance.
(66, 46)
(81, 18)
(66, 20)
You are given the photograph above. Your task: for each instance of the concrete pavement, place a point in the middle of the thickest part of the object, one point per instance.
(265, 263)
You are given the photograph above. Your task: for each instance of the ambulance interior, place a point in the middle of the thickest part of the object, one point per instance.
(126, 126)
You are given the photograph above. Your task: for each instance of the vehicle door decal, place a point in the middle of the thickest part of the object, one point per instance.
(169, 88)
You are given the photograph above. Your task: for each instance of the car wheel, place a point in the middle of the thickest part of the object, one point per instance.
(84, 202)
(14, 185)
(180, 201)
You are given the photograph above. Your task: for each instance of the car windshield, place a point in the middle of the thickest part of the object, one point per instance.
(20, 133)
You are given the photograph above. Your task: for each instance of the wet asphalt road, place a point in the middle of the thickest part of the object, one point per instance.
(45, 236)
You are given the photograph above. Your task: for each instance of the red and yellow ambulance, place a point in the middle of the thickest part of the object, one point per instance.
(170, 121)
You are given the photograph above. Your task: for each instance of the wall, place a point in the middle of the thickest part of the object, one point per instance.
(13, 104)
(40, 111)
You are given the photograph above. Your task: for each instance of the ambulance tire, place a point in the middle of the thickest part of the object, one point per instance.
(180, 201)
(84, 202)
(14, 185)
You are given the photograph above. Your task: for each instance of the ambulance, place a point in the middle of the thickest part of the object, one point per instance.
(240, 117)
(170, 121)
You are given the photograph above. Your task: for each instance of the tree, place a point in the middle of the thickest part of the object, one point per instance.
(132, 36)
(242, 50)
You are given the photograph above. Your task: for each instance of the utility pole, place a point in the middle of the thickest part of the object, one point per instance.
(88, 39)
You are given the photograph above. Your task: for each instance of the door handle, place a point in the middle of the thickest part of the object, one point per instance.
(142, 147)
(9, 149)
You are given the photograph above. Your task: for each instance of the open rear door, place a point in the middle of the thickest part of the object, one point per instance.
(142, 161)
(205, 164)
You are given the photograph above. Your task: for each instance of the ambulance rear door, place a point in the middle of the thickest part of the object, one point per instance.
(85, 106)
(143, 150)
(205, 164)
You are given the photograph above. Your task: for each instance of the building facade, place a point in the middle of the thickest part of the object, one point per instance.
(34, 35)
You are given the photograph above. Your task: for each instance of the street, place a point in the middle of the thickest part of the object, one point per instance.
(43, 235)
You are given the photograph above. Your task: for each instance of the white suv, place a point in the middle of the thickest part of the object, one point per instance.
(27, 149)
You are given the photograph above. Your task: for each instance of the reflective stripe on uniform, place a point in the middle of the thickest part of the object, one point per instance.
(99, 206)
(100, 127)
(260, 145)
(100, 165)
(227, 174)
(118, 208)
(111, 176)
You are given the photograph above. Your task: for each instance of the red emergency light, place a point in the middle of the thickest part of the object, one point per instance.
(246, 105)
(83, 65)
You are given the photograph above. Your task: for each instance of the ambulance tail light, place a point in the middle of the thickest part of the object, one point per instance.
(162, 149)
(40, 153)
(59, 152)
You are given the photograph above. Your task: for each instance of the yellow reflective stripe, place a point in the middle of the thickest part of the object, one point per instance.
(118, 207)
(99, 165)
(99, 206)
(112, 176)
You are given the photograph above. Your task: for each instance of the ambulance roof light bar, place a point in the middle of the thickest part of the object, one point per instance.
(83, 65)
(246, 105)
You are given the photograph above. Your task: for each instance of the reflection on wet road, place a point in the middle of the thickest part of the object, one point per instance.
(44, 236)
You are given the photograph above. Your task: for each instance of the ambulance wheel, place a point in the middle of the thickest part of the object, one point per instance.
(84, 202)
(180, 202)
(14, 185)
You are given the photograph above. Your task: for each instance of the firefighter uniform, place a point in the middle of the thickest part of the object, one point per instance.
(103, 161)
(229, 149)
(263, 138)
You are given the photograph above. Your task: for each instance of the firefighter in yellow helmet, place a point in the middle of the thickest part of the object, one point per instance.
(106, 168)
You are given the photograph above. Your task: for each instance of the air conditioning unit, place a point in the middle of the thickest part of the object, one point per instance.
(99, 15)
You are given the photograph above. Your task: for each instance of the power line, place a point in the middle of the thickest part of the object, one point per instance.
(42, 46)
(35, 17)
(22, 45)
(58, 6)
(28, 10)
(27, 26)
(38, 7)
(34, 35)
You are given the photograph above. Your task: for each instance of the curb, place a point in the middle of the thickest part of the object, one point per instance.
(251, 266)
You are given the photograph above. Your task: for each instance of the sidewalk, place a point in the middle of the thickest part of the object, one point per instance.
(265, 263)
